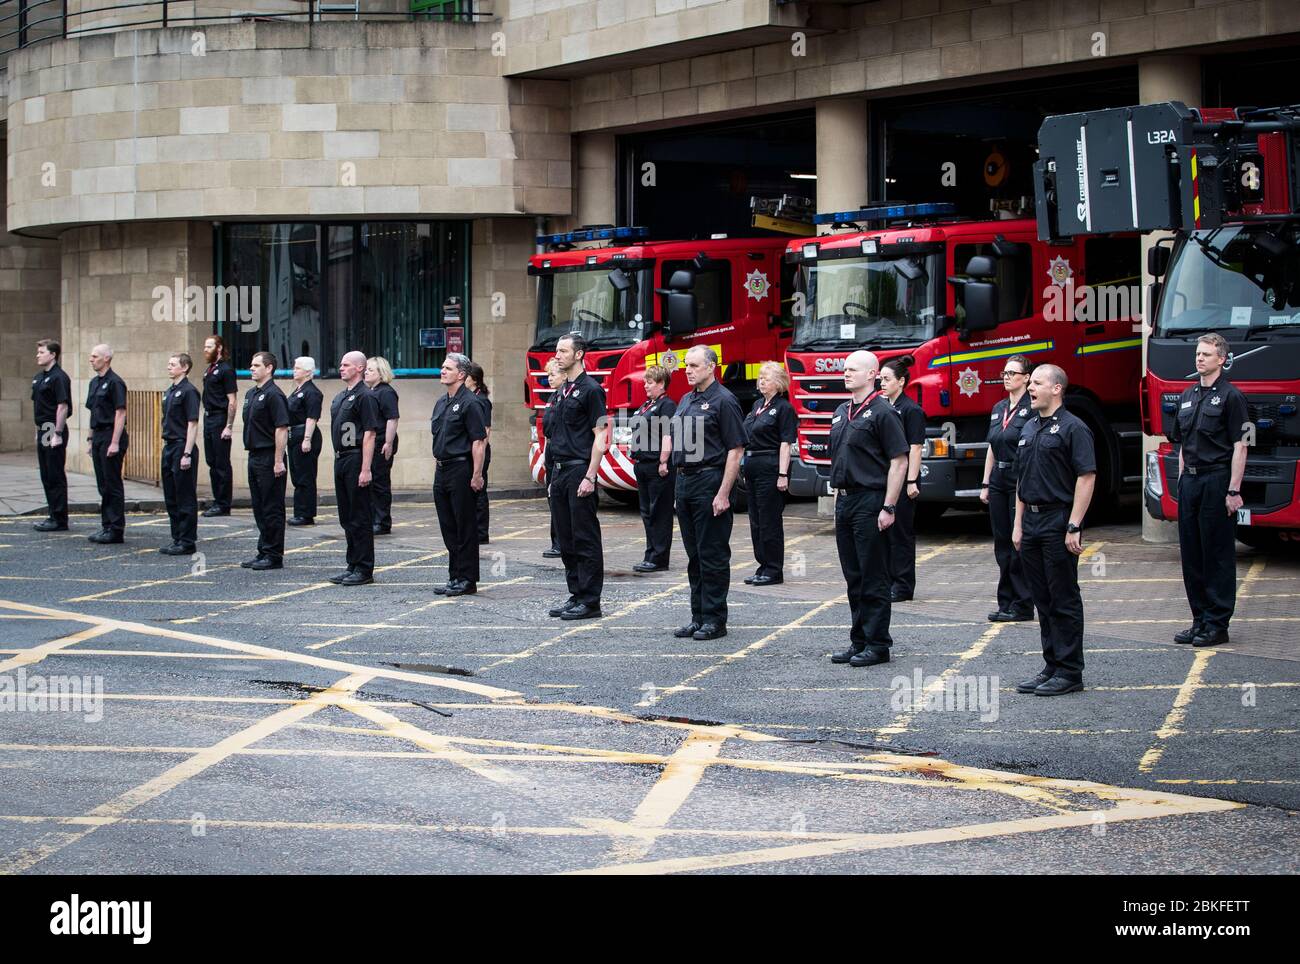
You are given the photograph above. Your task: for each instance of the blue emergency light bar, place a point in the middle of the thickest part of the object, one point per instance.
(595, 234)
(887, 212)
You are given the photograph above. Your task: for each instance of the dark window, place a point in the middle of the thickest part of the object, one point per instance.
(712, 289)
(324, 289)
(1015, 293)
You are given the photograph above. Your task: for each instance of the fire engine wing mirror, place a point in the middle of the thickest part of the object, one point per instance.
(980, 299)
(620, 280)
(1157, 261)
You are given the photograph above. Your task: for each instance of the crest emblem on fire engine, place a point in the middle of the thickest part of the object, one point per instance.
(968, 381)
(668, 360)
(757, 285)
(1059, 270)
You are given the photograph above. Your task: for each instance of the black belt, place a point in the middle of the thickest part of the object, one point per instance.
(1047, 506)
(693, 469)
(569, 463)
(454, 458)
(1004, 465)
(750, 453)
(850, 489)
(1205, 469)
(212, 412)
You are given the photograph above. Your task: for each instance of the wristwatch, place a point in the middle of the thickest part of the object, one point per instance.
(783, 475)
(1234, 492)
(1073, 528)
(888, 508)
(590, 479)
(913, 481)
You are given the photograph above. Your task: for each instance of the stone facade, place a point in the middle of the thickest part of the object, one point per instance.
(275, 120)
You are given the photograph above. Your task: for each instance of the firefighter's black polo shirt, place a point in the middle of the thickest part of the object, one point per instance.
(265, 410)
(106, 394)
(1209, 422)
(456, 424)
(353, 413)
(719, 427)
(304, 402)
(1005, 428)
(50, 390)
(218, 382)
(768, 425)
(1053, 453)
(180, 406)
(579, 407)
(649, 424)
(865, 438)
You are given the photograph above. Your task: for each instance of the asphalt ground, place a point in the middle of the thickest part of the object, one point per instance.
(273, 722)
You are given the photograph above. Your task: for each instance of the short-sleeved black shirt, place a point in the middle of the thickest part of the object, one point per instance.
(1005, 427)
(50, 390)
(106, 394)
(304, 402)
(180, 406)
(218, 382)
(1054, 452)
(767, 426)
(353, 413)
(265, 410)
(456, 424)
(649, 424)
(865, 438)
(707, 426)
(487, 408)
(579, 407)
(1209, 422)
(913, 417)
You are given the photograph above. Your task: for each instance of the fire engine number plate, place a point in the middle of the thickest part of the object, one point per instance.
(1243, 517)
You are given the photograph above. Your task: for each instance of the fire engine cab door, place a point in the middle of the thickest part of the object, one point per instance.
(1106, 317)
(974, 364)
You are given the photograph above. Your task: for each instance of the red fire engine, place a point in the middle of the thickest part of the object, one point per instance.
(640, 303)
(961, 297)
(1225, 181)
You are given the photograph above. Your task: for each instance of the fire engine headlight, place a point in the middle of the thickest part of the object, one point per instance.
(936, 448)
(532, 433)
(622, 435)
(1155, 485)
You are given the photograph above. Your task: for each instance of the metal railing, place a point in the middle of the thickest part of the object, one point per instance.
(26, 22)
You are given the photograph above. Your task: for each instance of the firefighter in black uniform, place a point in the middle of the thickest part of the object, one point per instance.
(656, 480)
(219, 391)
(770, 430)
(555, 378)
(106, 399)
(1211, 427)
(902, 536)
(266, 435)
(379, 379)
(474, 381)
(354, 422)
(707, 442)
(180, 470)
(1056, 471)
(51, 405)
(868, 468)
(579, 436)
(998, 492)
(305, 403)
(459, 440)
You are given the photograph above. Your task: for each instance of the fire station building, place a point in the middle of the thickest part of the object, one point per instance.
(376, 172)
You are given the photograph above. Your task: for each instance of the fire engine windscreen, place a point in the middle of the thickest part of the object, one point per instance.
(586, 301)
(1237, 280)
(849, 302)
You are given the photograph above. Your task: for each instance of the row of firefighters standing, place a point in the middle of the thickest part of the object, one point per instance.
(1038, 482)
(280, 436)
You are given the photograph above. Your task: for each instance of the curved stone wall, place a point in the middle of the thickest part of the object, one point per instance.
(280, 120)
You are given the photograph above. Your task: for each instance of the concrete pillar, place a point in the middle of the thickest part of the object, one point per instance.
(1162, 78)
(842, 182)
(842, 155)
(596, 163)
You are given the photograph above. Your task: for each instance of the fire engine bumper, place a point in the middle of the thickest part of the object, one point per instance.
(942, 481)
